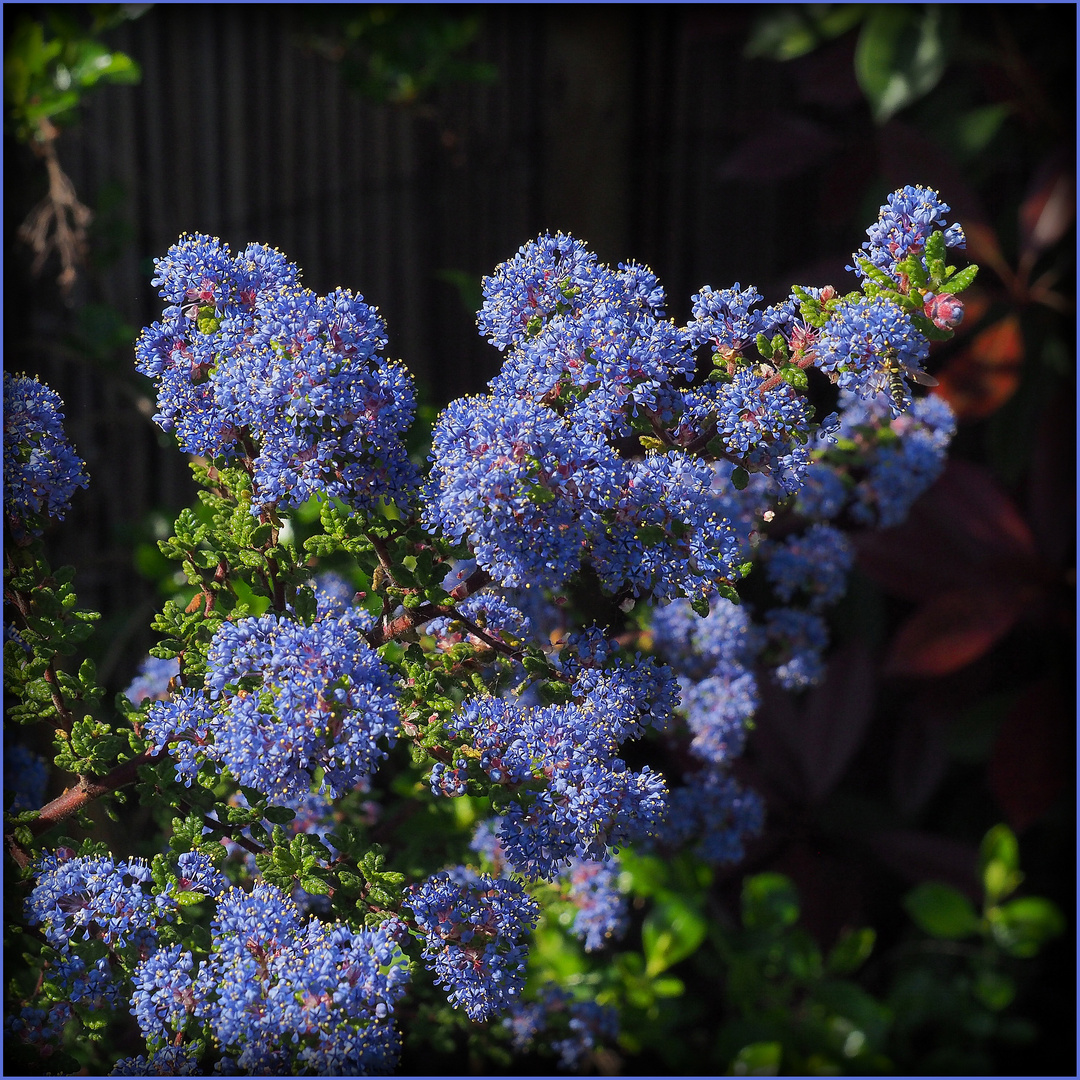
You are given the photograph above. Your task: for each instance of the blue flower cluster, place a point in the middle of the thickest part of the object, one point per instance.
(472, 926)
(720, 696)
(94, 987)
(568, 793)
(592, 887)
(724, 319)
(571, 1029)
(808, 572)
(719, 690)
(168, 1061)
(881, 464)
(251, 367)
(714, 814)
(904, 224)
(491, 613)
(280, 996)
(79, 898)
(868, 343)
(41, 470)
(812, 566)
(602, 910)
(333, 594)
(284, 700)
(797, 641)
(531, 474)
(40, 1028)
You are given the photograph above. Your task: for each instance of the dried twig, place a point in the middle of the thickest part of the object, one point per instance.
(59, 222)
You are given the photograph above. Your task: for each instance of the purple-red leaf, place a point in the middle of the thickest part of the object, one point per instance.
(963, 533)
(950, 631)
(986, 372)
(818, 740)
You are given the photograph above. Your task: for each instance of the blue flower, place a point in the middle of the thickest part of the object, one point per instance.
(547, 274)
(41, 470)
(602, 910)
(904, 224)
(166, 1061)
(589, 798)
(698, 646)
(246, 358)
(90, 897)
(323, 700)
(271, 980)
(864, 341)
(887, 461)
(714, 815)
(723, 318)
(165, 994)
(94, 988)
(473, 925)
(813, 565)
(797, 640)
(571, 1029)
(719, 709)
(521, 486)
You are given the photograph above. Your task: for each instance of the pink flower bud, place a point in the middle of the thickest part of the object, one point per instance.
(944, 311)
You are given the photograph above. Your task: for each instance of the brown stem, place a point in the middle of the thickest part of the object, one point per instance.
(79, 797)
(395, 628)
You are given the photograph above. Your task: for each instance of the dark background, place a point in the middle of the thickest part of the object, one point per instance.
(645, 131)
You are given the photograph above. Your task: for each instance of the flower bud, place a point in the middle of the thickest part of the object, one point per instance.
(946, 312)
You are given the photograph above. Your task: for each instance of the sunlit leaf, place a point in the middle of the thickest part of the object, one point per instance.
(1022, 926)
(1049, 209)
(792, 31)
(900, 56)
(672, 931)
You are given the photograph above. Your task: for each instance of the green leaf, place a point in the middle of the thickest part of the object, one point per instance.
(795, 377)
(976, 128)
(757, 1059)
(994, 989)
(941, 911)
(960, 280)
(935, 249)
(739, 478)
(900, 56)
(770, 901)
(647, 874)
(999, 863)
(314, 885)
(851, 951)
(1022, 926)
(672, 931)
(795, 30)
